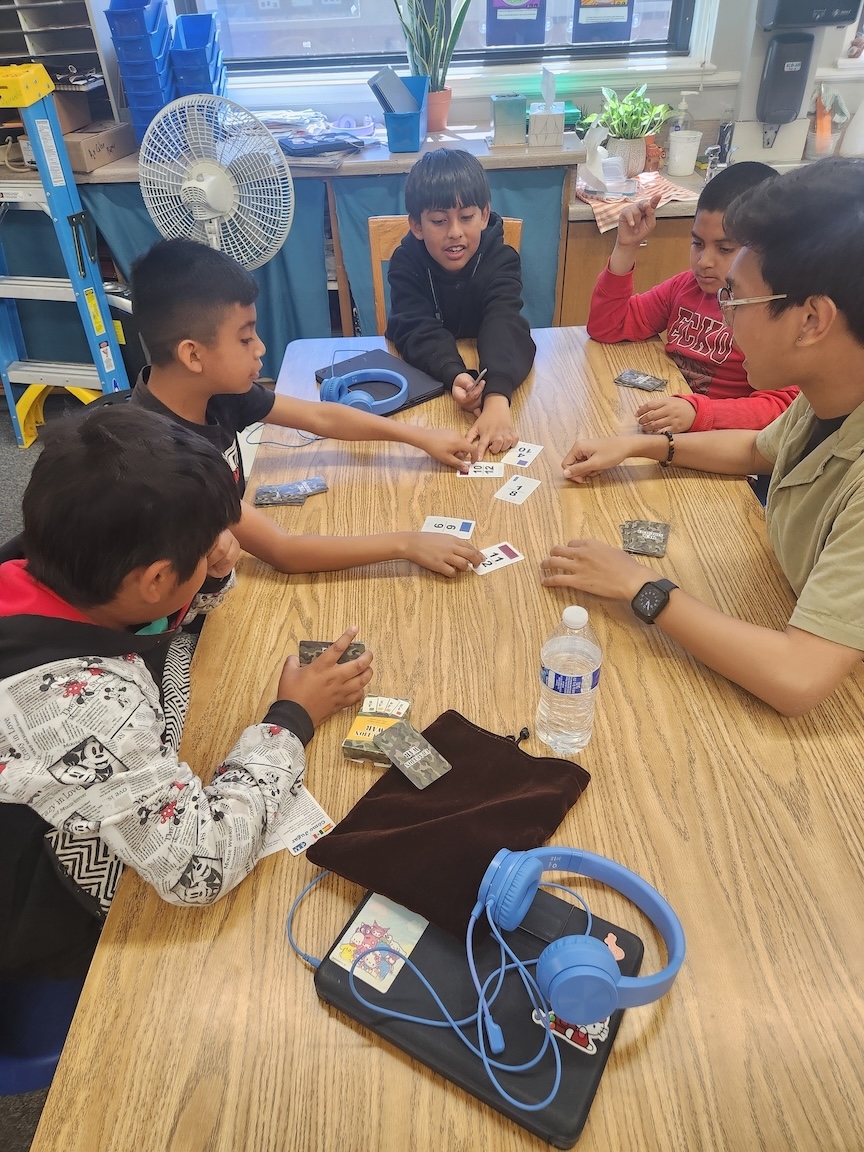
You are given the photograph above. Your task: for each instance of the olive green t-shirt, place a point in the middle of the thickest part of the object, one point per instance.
(815, 516)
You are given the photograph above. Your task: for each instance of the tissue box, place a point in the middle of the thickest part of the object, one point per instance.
(546, 125)
(508, 120)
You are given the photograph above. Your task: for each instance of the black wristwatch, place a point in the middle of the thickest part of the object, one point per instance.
(651, 599)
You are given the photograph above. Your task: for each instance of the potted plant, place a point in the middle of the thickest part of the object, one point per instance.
(430, 47)
(629, 121)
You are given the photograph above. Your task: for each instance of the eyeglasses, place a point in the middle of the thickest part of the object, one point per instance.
(727, 302)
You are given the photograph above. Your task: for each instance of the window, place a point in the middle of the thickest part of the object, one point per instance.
(332, 33)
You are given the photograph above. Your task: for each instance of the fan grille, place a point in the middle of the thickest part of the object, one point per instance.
(198, 128)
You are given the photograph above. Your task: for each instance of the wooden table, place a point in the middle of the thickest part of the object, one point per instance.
(200, 1031)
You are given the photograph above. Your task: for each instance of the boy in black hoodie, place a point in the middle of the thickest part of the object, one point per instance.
(94, 663)
(453, 278)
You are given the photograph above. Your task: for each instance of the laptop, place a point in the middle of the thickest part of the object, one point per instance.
(441, 958)
(420, 386)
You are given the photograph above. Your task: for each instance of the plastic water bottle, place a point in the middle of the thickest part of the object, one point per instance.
(569, 678)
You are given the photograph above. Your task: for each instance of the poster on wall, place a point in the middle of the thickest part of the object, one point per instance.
(515, 22)
(602, 21)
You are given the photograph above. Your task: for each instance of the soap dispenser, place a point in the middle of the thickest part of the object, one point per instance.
(681, 120)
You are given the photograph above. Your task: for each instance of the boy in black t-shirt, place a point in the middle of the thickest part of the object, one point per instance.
(195, 309)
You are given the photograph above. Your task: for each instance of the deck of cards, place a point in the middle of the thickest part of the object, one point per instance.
(631, 378)
(309, 649)
(645, 537)
(295, 492)
(412, 754)
(377, 713)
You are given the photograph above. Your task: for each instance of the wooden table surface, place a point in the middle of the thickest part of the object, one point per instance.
(200, 1031)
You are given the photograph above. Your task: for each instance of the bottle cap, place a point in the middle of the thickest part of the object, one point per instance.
(574, 617)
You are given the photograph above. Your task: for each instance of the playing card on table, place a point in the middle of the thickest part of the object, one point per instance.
(452, 525)
(484, 469)
(517, 489)
(311, 486)
(271, 495)
(631, 378)
(498, 556)
(523, 454)
(645, 537)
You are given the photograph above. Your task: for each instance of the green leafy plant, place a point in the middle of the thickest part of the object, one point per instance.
(632, 117)
(429, 45)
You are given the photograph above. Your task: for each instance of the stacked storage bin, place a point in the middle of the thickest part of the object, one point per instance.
(142, 40)
(196, 57)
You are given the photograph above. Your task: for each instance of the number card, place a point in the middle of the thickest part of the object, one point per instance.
(452, 525)
(482, 469)
(523, 454)
(517, 489)
(498, 556)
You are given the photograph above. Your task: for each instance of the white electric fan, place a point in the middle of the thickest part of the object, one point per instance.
(210, 171)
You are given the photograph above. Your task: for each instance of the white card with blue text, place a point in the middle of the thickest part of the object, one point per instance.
(452, 525)
(517, 489)
(484, 469)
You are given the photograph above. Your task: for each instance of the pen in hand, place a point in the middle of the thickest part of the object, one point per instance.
(477, 381)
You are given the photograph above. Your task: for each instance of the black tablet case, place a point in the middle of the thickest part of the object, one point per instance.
(441, 958)
(420, 386)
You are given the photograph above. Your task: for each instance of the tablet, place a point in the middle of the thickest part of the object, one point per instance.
(420, 386)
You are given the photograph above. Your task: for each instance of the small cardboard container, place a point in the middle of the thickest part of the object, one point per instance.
(406, 131)
(73, 110)
(99, 144)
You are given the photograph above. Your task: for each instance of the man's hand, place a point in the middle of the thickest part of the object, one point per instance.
(590, 566)
(440, 553)
(666, 414)
(325, 687)
(223, 555)
(589, 458)
(467, 392)
(451, 448)
(493, 429)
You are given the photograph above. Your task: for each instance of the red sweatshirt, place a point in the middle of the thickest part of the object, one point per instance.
(697, 341)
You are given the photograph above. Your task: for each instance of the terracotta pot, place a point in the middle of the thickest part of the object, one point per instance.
(632, 152)
(437, 107)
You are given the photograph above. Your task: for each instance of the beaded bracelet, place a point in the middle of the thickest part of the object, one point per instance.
(665, 463)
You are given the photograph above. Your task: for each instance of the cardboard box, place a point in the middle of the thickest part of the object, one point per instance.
(99, 144)
(73, 110)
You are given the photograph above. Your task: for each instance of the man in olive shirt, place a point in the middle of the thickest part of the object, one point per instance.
(795, 302)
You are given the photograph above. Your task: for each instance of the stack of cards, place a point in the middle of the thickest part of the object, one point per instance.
(268, 495)
(309, 649)
(376, 714)
(645, 537)
(412, 754)
(630, 378)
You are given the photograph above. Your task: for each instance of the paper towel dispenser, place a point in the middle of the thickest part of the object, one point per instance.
(784, 79)
(773, 14)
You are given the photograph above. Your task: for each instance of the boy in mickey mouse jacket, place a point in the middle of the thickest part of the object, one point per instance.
(94, 664)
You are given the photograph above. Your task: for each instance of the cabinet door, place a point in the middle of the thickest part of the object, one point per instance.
(665, 253)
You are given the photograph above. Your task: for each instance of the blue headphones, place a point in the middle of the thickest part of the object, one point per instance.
(338, 390)
(578, 975)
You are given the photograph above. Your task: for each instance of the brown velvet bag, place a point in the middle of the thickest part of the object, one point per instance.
(428, 850)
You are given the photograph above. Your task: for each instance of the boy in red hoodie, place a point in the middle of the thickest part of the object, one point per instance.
(686, 308)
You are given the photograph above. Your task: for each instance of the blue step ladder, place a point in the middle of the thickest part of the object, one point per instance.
(27, 382)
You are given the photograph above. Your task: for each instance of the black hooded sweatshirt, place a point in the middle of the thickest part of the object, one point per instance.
(431, 308)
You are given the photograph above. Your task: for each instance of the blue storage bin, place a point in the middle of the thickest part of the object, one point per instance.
(150, 69)
(197, 77)
(148, 90)
(195, 41)
(127, 21)
(406, 131)
(141, 49)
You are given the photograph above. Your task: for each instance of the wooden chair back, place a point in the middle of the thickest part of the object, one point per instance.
(385, 235)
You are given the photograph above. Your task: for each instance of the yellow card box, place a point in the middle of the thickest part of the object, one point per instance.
(358, 745)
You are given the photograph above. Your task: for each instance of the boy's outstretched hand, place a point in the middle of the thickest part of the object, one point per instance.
(666, 414)
(591, 566)
(325, 687)
(589, 458)
(493, 429)
(467, 392)
(451, 448)
(439, 552)
(637, 221)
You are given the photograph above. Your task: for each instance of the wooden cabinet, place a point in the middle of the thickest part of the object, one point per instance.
(666, 252)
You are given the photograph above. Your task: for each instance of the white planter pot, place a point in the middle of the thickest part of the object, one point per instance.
(632, 152)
